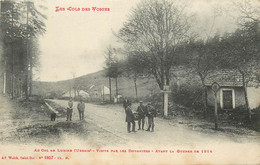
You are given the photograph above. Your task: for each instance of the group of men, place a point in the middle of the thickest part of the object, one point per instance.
(142, 112)
(80, 107)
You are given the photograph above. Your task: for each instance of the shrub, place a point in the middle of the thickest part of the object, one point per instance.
(189, 96)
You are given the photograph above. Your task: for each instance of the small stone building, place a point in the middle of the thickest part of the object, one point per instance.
(231, 92)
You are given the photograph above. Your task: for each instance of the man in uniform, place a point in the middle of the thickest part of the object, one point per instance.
(130, 118)
(69, 110)
(81, 109)
(151, 114)
(141, 115)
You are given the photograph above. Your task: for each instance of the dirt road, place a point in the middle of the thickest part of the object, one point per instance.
(167, 133)
(172, 134)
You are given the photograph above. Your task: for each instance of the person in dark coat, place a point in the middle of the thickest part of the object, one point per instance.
(70, 103)
(151, 114)
(141, 115)
(69, 110)
(81, 109)
(130, 118)
(126, 102)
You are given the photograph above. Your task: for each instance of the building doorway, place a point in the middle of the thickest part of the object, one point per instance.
(227, 99)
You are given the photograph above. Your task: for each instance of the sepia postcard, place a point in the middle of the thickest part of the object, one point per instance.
(122, 82)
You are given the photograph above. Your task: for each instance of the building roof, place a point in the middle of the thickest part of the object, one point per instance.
(227, 84)
(72, 94)
(229, 78)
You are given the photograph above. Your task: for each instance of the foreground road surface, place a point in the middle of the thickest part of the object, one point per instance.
(112, 119)
(220, 147)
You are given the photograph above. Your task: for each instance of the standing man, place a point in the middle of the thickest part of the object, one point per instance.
(81, 109)
(69, 110)
(130, 118)
(126, 102)
(70, 103)
(151, 114)
(141, 115)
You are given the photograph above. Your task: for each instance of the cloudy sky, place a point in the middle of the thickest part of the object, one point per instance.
(75, 41)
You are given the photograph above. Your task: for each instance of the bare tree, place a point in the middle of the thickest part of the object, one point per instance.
(133, 69)
(243, 45)
(110, 60)
(153, 29)
(202, 57)
(248, 11)
(242, 54)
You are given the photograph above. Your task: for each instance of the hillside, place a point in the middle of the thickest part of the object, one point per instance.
(125, 85)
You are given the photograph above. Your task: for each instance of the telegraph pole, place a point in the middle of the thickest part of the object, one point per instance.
(215, 88)
(165, 92)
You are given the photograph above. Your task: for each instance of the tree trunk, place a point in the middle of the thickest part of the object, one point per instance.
(12, 50)
(8, 82)
(110, 94)
(12, 75)
(21, 90)
(26, 85)
(135, 88)
(103, 93)
(75, 92)
(27, 57)
(160, 81)
(204, 94)
(167, 78)
(78, 90)
(116, 89)
(245, 95)
(31, 78)
(1, 48)
(4, 85)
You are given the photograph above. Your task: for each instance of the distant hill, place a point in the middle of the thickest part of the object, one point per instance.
(125, 85)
